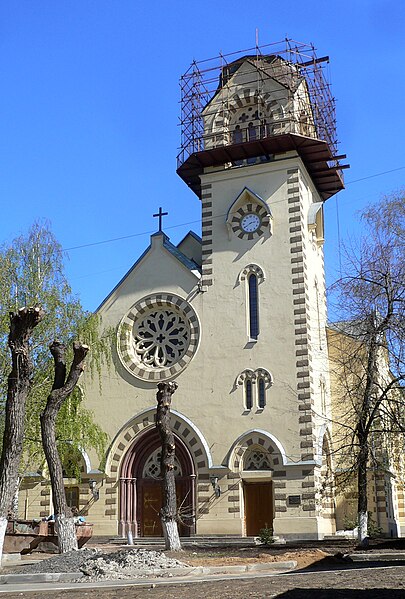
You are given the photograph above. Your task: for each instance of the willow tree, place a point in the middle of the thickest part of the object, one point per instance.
(368, 348)
(32, 274)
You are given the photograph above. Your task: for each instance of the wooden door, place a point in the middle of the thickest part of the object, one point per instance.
(151, 498)
(258, 507)
(151, 504)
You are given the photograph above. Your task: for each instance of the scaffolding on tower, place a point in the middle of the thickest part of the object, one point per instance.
(208, 95)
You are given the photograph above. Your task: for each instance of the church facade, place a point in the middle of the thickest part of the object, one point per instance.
(237, 318)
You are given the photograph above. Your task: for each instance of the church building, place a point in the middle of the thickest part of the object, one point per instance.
(237, 317)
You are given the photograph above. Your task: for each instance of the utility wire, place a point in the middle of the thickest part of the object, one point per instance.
(400, 168)
(193, 222)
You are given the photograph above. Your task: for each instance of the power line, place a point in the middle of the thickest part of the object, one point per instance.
(193, 222)
(400, 168)
(86, 245)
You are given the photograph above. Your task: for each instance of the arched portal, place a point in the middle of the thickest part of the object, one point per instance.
(141, 487)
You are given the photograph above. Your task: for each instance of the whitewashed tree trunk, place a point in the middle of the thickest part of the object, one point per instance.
(363, 527)
(66, 531)
(3, 526)
(171, 534)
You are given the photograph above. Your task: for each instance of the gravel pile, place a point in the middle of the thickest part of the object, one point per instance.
(97, 565)
(68, 562)
(128, 563)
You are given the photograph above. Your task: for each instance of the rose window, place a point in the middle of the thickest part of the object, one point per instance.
(158, 337)
(161, 338)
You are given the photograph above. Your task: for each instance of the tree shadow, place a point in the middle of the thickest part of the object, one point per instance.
(346, 593)
(336, 562)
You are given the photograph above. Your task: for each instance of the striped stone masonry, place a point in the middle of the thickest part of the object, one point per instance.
(300, 301)
(206, 217)
(142, 422)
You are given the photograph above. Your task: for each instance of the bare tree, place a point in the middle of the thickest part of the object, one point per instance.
(62, 387)
(22, 324)
(367, 347)
(169, 509)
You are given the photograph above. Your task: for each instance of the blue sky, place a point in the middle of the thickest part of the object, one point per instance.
(89, 114)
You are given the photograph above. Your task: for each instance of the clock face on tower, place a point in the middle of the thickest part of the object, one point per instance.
(250, 223)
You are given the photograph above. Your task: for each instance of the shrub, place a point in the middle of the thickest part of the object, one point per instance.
(266, 536)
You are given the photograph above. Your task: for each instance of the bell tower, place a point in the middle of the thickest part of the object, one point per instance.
(259, 149)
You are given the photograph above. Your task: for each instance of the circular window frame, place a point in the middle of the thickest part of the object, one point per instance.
(126, 352)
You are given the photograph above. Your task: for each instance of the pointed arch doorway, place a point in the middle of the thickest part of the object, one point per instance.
(141, 488)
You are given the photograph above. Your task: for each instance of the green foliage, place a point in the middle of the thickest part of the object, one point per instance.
(372, 528)
(266, 536)
(32, 273)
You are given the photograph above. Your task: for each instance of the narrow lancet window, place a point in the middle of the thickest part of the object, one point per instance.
(261, 394)
(253, 307)
(248, 395)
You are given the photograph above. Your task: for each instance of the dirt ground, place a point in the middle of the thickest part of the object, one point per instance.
(303, 557)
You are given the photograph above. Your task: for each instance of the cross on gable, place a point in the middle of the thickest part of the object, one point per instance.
(160, 214)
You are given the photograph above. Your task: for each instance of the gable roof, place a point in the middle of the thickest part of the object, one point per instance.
(172, 249)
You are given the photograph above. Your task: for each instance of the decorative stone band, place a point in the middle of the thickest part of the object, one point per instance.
(300, 301)
(127, 346)
(254, 376)
(257, 441)
(206, 217)
(254, 269)
(192, 438)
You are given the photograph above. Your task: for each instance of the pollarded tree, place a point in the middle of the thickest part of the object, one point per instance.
(32, 273)
(22, 325)
(168, 513)
(63, 385)
(367, 347)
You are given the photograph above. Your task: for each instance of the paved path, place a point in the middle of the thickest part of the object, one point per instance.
(382, 582)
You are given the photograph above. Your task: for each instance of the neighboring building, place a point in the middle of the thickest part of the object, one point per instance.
(237, 318)
(349, 361)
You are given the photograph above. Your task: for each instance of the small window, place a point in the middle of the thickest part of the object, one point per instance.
(262, 394)
(253, 307)
(237, 135)
(248, 395)
(251, 132)
(72, 496)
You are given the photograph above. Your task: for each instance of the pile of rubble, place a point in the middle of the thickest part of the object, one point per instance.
(94, 564)
(128, 563)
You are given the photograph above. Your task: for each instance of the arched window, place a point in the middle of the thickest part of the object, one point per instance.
(251, 132)
(253, 307)
(255, 385)
(248, 394)
(237, 135)
(261, 391)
